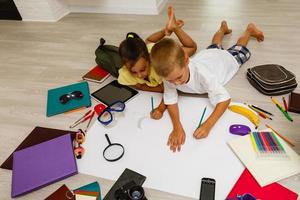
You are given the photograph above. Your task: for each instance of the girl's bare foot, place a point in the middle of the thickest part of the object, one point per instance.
(255, 32)
(224, 28)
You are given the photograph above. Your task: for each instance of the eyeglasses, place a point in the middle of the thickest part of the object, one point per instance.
(67, 97)
(106, 116)
(79, 140)
(245, 196)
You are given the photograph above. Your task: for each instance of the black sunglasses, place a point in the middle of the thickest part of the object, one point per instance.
(67, 97)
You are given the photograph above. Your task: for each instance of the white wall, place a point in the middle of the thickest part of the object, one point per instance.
(53, 10)
(42, 10)
(146, 7)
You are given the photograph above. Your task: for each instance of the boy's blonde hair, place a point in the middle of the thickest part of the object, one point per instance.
(166, 55)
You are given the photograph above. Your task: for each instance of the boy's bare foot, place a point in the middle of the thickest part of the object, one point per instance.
(172, 23)
(255, 32)
(224, 28)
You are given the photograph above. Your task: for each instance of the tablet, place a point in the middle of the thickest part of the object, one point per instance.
(113, 92)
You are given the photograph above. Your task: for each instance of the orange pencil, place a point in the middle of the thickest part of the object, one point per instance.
(282, 137)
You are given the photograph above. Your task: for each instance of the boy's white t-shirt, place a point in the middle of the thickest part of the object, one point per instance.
(210, 70)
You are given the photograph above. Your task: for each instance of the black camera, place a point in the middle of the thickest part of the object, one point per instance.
(130, 191)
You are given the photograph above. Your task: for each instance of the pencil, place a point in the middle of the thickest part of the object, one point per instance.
(281, 136)
(263, 115)
(152, 104)
(285, 104)
(262, 110)
(202, 117)
(284, 112)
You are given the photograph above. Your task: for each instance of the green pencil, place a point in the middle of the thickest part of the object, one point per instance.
(202, 117)
(152, 104)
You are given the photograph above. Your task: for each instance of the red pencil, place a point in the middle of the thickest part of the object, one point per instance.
(285, 104)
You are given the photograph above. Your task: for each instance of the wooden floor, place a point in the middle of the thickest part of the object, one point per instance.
(35, 57)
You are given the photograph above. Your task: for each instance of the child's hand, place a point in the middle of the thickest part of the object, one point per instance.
(202, 131)
(172, 23)
(176, 139)
(156, 114)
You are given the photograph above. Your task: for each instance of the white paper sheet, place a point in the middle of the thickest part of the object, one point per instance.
(146, 150)
(266, 170)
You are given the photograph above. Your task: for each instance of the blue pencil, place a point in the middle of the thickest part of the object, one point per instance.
(202, 117)
(152, 104)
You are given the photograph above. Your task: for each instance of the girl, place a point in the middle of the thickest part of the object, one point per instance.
(135, 54)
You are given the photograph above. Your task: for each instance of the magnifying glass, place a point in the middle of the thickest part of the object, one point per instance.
(114, 151)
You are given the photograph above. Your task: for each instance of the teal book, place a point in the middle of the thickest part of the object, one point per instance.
(68, 98)
(92, 187)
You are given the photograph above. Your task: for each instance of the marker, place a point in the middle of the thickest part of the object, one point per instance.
(282, 109)
(152, 104)
(285, 104)
(202, 117)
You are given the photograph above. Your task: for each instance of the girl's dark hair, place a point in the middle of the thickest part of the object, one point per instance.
(133, 48)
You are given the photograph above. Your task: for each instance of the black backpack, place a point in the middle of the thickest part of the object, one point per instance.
(108, 57)
(271, 79)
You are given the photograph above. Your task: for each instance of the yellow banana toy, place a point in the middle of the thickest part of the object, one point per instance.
(246, 112)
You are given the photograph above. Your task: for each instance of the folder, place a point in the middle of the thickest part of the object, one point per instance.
(42, 164)
(247, 184)
(62, 193)
(54, 106)
(92, 187)
(37, 136)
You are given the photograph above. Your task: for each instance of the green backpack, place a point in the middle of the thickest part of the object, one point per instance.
(108, 57)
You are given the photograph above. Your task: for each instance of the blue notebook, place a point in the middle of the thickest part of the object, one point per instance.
(93, 187)
(54, 104)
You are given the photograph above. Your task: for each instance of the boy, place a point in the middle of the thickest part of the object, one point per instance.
(205, 72)
(138, 71)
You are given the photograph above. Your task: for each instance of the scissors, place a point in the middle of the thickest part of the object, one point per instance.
(89, 116)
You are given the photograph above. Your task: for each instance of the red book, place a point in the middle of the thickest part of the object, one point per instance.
(97, 74)
(274, 191)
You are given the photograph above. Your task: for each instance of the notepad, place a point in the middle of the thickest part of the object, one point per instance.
(247, 184)
(97, 74)
(54, 106)
(42, 164)
(265, 171)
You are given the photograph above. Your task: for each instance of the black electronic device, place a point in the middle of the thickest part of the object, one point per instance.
(207, 191)
(114, 92)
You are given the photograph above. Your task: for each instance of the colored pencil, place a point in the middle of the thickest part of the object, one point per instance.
(262, 110)
(281, 136)
(152, 103)
(200, 122)
(263, 115)
(284, 112)
(285, 104)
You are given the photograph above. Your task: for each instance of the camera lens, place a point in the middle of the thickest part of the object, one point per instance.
(136, 193)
